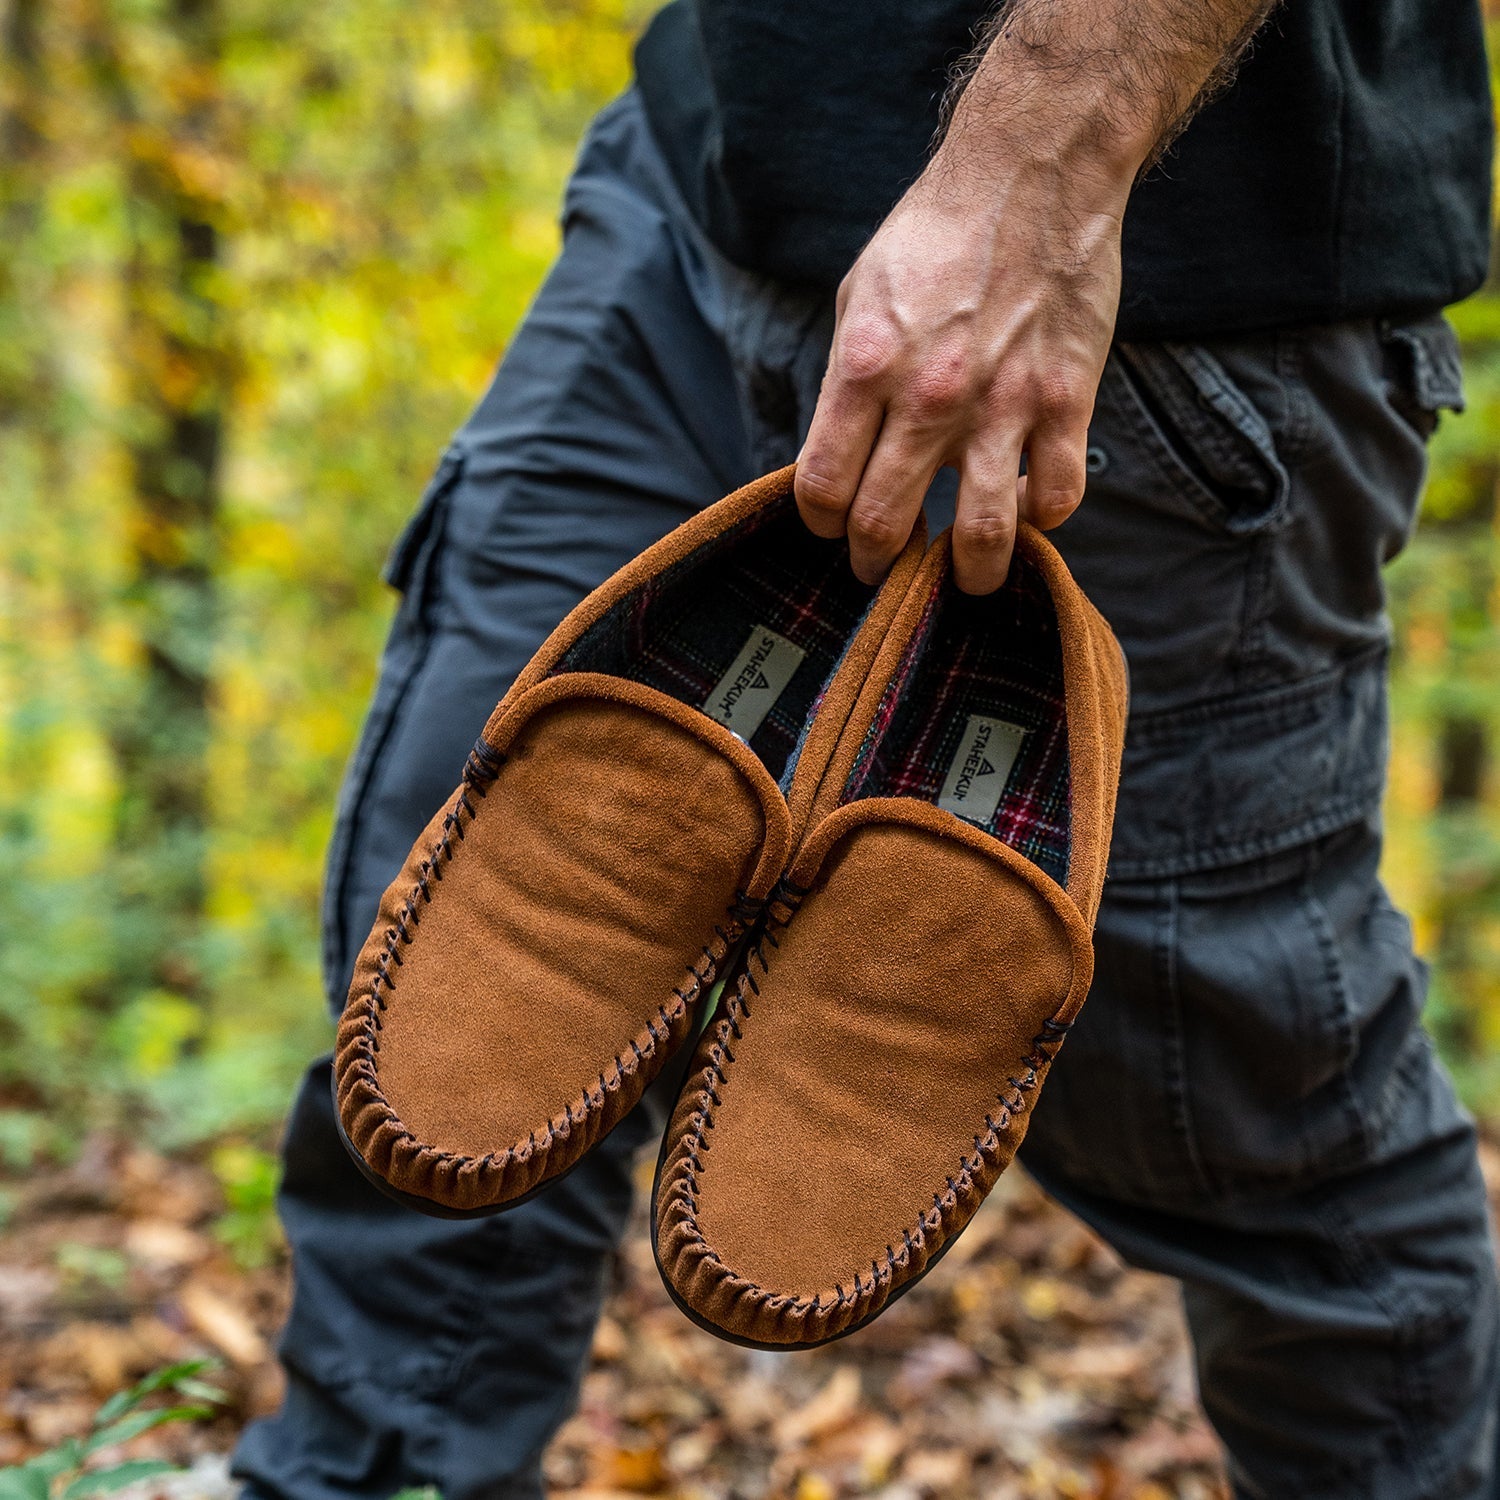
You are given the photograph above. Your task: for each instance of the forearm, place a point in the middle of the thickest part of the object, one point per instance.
(1096, 88)
(973, 328)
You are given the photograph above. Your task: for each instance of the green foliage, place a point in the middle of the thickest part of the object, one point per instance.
(205, 453)
(1443, 855)
(87, 1269)
(66, 1472)
(249, 1226)
(259, 259)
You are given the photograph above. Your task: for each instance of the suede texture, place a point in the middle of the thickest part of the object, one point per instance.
(544, 951)
(874, 1062)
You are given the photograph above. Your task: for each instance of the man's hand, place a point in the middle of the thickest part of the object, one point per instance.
(974, 327)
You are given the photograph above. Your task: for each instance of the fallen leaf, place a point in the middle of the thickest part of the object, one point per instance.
(162, 1244)
(938, 1472)
(105, 1355)
(930, 1364)
(879, 1447)
(50, 1422)
(24, 1294)
(590, 1492)
(609, 1342)
(1041, 1298)
(749, 1406)
(638, 1471)
(814, 1487)
(219, 1321)
(690, 1453)
(1113, 1361)
(833, 1406)
(961, 1393)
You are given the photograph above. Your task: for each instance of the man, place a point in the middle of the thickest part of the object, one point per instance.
(1248, 1102)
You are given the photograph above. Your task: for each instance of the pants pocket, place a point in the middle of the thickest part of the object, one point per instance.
(412, 569)
(1195, 457)
(1214, 448)
(1298, 1005)
(409, 568)
(1423, 370)
(1249, 1031)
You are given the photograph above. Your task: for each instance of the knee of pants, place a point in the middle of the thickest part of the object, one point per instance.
(1351, 1348)
(399, 1301)
(1249, 1031)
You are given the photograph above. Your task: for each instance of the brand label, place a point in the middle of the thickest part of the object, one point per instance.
(756, 678)
(980, 768)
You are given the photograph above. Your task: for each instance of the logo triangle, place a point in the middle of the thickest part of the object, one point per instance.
(985, 769)
(760, 681)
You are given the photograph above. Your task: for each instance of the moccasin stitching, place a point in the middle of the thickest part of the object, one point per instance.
(811, 1319)
(371, 1122)
(696, 1271)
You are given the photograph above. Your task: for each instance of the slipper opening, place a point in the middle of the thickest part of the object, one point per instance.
(974, 720)
(749, 629)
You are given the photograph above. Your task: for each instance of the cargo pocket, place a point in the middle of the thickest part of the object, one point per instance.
(1423, 370)
(1248, 1031)
(408, 569)
(1297, 1004)
(411, 569)
(1193, 452)
(1212, 445)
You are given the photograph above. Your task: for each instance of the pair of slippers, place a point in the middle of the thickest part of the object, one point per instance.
(851, 840)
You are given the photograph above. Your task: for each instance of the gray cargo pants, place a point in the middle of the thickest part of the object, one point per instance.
(1249, 1101)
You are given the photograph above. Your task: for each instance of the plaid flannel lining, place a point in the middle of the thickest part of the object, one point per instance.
(999, 656)
(680, 631)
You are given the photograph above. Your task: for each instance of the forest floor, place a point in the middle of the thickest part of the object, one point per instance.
(1030, 1364)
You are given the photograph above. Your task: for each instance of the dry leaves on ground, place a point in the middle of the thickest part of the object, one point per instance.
(1031, 1363)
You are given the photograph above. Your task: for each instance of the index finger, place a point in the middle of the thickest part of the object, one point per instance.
(839, 442)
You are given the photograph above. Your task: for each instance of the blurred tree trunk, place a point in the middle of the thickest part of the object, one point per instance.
(1463, 760)
(176, 372)
(20, 137)
(22, 147)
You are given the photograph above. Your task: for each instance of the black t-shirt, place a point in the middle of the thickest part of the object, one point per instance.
(1347, 172)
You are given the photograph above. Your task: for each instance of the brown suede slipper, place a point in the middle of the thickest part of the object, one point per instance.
(619, 825)
(871, 1067)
